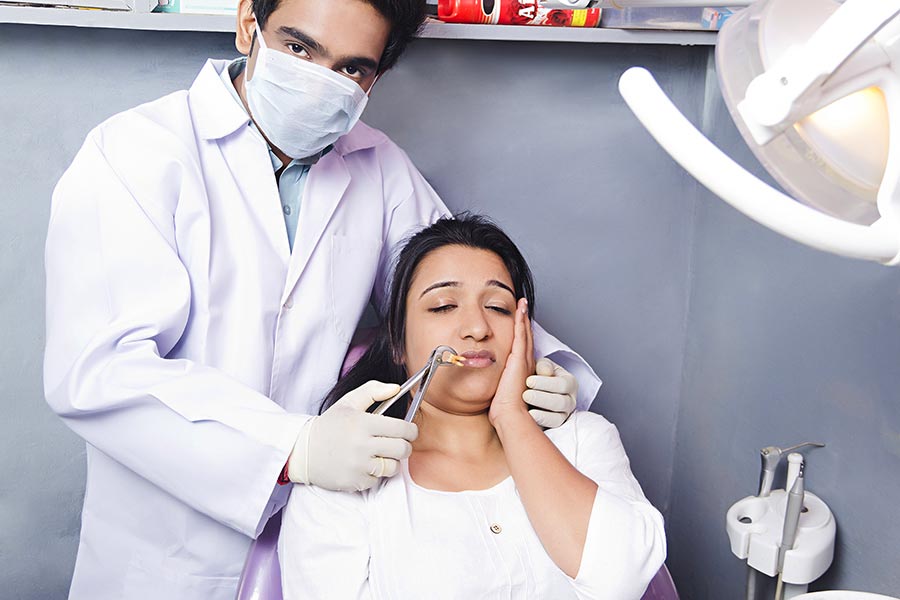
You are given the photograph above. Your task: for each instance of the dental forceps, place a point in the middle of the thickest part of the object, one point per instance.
(424, 375)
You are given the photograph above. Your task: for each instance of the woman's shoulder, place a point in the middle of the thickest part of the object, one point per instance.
(578, 430)
(582, 420)
(586, 418)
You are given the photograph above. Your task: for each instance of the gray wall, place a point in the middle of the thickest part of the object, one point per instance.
(785, 344)
(713, 337)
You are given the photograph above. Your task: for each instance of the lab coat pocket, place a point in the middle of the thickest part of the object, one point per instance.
(354, 266)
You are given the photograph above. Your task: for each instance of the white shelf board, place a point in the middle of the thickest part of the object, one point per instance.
(449, 31)
(109, 19)
(525, 33)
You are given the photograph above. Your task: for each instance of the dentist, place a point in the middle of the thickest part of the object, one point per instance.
(208, 258)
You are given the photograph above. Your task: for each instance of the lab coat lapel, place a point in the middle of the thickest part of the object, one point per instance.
(219, 119)
(250, 165)
(328, 180)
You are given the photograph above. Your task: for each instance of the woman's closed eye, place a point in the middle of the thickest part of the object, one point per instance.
(442, 308)
(448, 307)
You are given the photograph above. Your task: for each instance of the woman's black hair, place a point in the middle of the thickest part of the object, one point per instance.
(383, 360)
(405, 16)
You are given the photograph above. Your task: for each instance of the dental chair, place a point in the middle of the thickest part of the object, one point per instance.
(261, 577)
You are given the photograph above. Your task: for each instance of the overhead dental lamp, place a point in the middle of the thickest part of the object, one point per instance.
(812, 86)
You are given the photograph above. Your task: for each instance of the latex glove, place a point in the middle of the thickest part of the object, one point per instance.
(552, 393)
(346, 448)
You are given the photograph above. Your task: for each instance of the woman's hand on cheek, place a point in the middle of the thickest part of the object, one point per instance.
(519, 365)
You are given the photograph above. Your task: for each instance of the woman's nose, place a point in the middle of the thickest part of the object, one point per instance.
(474, 325)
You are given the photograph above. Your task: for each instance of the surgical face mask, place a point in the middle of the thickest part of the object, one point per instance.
(301, 107)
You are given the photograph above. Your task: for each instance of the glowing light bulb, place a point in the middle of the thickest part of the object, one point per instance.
(851, 136)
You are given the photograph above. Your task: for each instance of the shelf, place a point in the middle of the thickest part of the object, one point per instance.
(448, 31)
(522, 33)
(74, 17)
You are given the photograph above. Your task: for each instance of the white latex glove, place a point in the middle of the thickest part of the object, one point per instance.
(347, 449)
(551, 393)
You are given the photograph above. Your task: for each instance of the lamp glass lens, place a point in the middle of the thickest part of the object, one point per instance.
(833, 159)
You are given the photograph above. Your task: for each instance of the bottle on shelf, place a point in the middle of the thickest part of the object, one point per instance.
(514, 12)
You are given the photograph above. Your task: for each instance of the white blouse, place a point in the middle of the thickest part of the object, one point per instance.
(402, 541)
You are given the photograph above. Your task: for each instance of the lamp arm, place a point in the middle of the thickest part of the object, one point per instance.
(772, 99)
(740, 188)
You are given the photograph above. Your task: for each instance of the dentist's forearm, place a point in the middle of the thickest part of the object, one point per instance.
(557, 498)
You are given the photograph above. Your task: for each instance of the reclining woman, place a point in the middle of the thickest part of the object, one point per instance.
(488, 505)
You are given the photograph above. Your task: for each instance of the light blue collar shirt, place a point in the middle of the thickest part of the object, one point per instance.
(292, 180)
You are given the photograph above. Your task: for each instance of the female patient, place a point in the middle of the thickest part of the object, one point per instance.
(488, 505)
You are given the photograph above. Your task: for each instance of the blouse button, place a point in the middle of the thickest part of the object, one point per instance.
(496, 528)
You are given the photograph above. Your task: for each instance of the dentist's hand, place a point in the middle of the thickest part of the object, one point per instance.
(551, 394)
(348, 449)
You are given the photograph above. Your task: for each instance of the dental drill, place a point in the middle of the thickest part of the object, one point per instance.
(789, 531)
(769, 456)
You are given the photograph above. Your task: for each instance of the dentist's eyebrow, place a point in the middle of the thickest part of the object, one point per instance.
(439, 284)
(363, 62)
(360, 62)
(303, 38)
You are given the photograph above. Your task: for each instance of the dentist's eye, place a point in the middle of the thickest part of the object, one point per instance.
(298, 50)
(443, 308)
(352, 72)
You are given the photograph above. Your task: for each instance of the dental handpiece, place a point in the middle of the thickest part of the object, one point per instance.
(791, 517)
(770, 456)
(789, 531)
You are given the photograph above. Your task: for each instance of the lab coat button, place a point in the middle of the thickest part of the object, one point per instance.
(289, 303)
(496, 528)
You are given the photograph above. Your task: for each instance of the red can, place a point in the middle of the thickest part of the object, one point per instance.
(515, 12)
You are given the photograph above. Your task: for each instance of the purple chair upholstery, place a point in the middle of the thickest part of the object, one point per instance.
(261, 577)
(661, 586)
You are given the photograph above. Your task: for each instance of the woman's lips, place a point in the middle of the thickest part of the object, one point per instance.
(478, 359)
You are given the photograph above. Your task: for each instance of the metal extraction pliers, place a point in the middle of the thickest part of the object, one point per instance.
(442, 355)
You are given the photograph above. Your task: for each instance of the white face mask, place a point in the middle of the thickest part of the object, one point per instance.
(301, 107)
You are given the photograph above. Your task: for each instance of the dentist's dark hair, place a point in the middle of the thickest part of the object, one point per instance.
(405, 16)
(384, 358)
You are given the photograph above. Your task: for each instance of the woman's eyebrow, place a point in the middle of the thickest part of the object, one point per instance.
(488, 283)
(439, 284)
(500, 284)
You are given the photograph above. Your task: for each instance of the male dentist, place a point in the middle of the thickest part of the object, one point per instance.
(208, 258)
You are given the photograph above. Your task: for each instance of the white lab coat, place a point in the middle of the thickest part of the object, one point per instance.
(185, 343)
